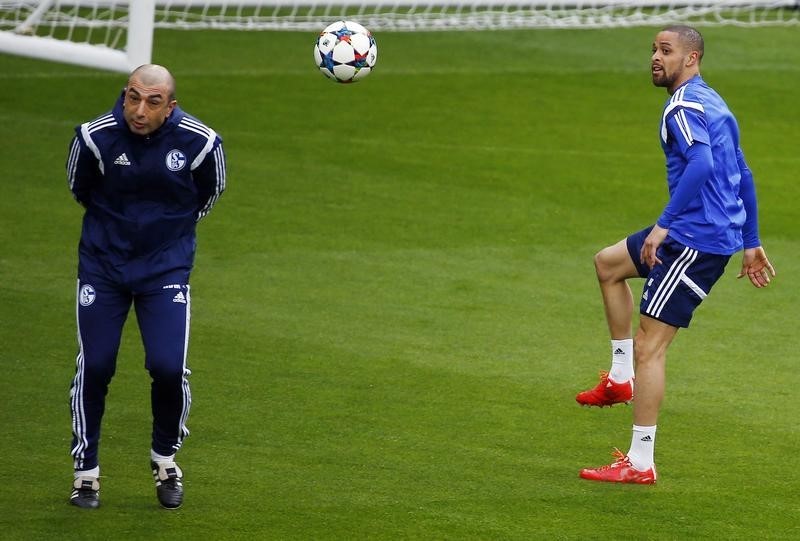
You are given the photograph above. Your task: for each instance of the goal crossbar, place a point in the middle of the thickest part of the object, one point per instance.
(118, 34)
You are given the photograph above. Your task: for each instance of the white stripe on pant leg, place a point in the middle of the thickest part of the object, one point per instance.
(76, 400)
(694, 287)
(664, 283)
(674, 284)
(183, 431)
(667, 286)
(78, 416)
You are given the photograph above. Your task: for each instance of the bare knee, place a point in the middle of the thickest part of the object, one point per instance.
(614, 264)
(652, 346)
(642, 350)
(604, 265)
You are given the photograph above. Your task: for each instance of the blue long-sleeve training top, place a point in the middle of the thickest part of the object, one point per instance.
(143, 194)
(712, 204)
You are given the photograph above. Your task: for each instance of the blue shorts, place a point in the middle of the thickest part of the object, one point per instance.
(674, 288)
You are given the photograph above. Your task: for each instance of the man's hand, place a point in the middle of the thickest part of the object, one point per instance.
(650, 246)
(756, 266)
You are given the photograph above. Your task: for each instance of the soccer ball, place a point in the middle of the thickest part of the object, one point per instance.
(345, 52)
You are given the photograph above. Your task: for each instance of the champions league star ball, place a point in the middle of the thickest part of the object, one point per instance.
(345, 52)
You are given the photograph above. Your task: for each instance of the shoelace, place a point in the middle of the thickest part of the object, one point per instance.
(620, 459)
(604, 379)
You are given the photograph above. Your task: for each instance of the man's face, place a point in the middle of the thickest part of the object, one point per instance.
(146, 107)
(668, 60)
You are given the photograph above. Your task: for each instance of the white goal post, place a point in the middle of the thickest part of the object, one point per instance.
(118, 34)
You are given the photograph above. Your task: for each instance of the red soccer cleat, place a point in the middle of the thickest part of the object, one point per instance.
(620, 471)
(607, 393)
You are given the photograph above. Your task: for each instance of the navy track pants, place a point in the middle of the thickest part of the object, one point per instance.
(163, 314)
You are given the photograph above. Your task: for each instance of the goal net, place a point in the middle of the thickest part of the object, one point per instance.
(117, 35)
(101, 34)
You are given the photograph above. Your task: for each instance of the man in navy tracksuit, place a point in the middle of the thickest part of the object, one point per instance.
(146, 172)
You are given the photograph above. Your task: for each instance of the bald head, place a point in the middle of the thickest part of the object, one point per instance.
(154, 75)
(149, 98)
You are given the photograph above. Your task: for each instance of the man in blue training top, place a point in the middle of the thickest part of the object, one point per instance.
(711, 214)
(146, 173)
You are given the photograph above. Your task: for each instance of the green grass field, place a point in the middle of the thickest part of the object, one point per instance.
(395, 303)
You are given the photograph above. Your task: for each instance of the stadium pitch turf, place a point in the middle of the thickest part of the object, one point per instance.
(394, 301)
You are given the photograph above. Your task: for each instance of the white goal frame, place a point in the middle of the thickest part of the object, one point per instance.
(138, 27)
(132, 22)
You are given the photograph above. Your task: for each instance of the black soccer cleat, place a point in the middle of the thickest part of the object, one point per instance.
(169, 484)
(85, 493)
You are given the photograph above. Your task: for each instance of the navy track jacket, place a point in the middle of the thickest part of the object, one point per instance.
(143, 194)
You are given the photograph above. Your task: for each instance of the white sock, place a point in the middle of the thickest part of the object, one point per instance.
(94, 472)
(155, 457)
(643, 444)
(621, 360)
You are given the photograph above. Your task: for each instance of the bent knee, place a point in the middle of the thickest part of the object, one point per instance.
(604, 265)
(614, 263)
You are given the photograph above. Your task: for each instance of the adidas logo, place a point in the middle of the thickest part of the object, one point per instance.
(122, 159)
(646, 294)
(619, 351)
(647, 438)
(179, 298)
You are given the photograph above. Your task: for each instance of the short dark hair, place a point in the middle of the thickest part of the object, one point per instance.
(689, 36)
